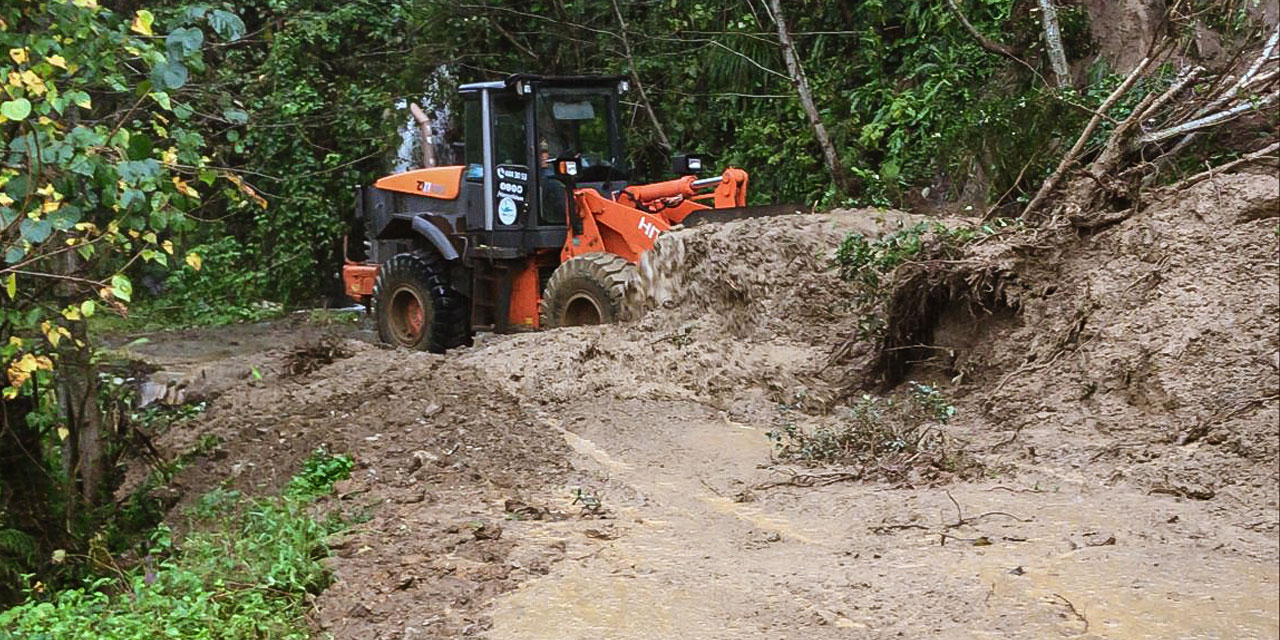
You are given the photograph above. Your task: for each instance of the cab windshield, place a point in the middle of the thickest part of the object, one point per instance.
(578, 123)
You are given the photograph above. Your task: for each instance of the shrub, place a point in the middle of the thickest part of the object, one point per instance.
(243, 571)
(889, 437)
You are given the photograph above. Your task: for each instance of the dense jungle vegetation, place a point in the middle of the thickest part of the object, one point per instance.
(189, 163)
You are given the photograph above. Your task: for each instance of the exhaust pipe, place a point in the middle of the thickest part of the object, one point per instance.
(424, 123)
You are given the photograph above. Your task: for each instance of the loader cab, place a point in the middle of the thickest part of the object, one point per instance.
(514, 130)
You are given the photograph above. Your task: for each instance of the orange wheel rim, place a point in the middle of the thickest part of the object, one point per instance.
(408, 316)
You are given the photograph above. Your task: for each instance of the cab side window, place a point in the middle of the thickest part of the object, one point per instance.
(474, 138)
(509, 145)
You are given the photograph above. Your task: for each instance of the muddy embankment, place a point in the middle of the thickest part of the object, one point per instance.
(1124, 405)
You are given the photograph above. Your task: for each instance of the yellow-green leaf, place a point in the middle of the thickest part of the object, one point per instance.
(11, 286)
(194, 260)
(142, 21)
(16, 109)
(163, 100)
(87, 308)
(121, 287)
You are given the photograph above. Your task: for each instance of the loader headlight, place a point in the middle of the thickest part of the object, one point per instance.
(687, 164)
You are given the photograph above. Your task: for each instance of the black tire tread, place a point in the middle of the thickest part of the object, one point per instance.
(450, 322)
(611, 272)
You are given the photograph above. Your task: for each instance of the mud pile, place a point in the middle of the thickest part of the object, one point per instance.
(744, 312)
(756, 279)
(1147, 352)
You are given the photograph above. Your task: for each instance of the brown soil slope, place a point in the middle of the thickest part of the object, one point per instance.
(1126, 412)
(1148, 352)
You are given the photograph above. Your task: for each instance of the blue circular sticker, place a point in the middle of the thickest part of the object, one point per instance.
(507, 211)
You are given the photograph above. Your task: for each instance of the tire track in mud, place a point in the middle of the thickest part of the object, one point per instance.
(677, 567)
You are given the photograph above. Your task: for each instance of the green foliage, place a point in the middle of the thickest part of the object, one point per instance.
(17, 554)
(245, 570)
(869, 262)
(889, 437)
(319, 473)
(226, 289)
(97, 152)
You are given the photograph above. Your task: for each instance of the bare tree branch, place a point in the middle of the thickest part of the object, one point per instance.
(1207, 121)
(1187, 78)
(1260, 154)
(1247, 79)
(985, 42)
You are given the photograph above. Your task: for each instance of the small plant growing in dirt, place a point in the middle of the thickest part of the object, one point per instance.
(313, 357)
(319, 473)
(889, 437)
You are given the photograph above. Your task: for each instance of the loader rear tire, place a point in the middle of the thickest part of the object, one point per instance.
(415, 307)
(588, 289)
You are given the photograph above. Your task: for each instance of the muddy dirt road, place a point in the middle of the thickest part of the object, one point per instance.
(618, 482)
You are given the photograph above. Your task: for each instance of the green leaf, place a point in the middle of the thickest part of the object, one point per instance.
(87, 308)
(170, 75)
(227, 24)
(134, 171)
(121, 287)
(35, 231)
(140, 146)
(65, 217)
(162, 99)
(183, 41)
(17, 109)
(235, 116)
(11, 286)
(81, 165)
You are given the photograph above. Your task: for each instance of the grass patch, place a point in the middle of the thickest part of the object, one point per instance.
(892, 437)
(244, 570)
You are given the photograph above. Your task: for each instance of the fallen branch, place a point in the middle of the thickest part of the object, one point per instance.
(810, 480)
(1172, 91)
(1074, 610)
(1074, 154)
(1261, 154)
(1246, 80)
(1206, 121)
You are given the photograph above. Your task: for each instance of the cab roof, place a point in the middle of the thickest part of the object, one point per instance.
(552, 81)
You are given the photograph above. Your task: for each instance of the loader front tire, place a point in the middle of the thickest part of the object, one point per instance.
(415, 307)
(587, 289)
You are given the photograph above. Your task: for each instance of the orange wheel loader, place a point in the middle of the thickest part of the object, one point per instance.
(539, 227)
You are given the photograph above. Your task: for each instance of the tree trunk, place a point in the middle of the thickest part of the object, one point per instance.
(87, 440)
(1053, 43)
(635, 77)
(796, 70)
